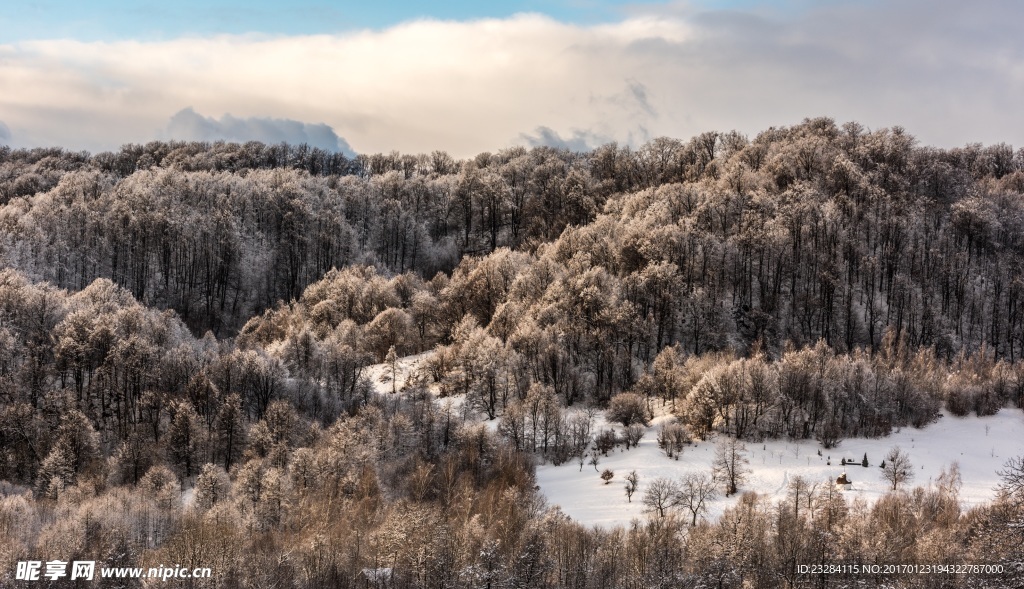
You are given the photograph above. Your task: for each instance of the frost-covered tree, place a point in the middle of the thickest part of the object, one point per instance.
(628, 409)
(183, 440)
(212, 487)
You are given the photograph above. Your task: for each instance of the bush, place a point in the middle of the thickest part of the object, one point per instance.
(672, 438)
(633, 434)
(987, 401)
(627, 409)
(959, 402)
(605, 441)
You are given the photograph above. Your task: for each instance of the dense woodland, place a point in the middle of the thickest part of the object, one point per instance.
(185, 330)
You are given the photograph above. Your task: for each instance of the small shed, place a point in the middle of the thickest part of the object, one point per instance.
(843, 483)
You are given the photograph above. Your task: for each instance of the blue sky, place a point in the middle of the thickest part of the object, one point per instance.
(107, 20)
(149, 19)
(471, 76)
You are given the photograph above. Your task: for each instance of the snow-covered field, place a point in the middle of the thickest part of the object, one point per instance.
(980, 444)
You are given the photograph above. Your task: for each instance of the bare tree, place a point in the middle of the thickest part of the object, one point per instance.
(696, 489)
(898, 469)
(661, 496)
(730, 465)
(672, 437)
(632, 480)
(1011, 487)
(633, 434)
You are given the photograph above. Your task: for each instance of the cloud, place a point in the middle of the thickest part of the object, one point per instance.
(579, 140)
(5, 132)
(187, 124)
(949, 72)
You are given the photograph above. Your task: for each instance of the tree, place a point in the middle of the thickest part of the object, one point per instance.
(672, 438)
(1011, 485)
(230, 430)
(56, 472)
(391, 361)
(183, 438)
(628, 409)
(730, 465)
(212, 486)
(632, 480)
(607, 476)
(661, 496)
(632, 435)
(897, 469)
(696, 489)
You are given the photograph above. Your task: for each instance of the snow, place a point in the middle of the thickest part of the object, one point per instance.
(407, 367)
(981, 445)
(410, 368)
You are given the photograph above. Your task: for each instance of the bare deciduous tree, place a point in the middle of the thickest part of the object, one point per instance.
(696, 489)
(632, 480)
(661, 496)
(730, 465)
(898, 469)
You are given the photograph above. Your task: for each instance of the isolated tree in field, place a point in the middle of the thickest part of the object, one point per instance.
(696, 489)
(730, 465)
(632, 480)
(607, 476)
(661, 496)
(898, 469)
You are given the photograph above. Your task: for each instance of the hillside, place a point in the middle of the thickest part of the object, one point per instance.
(304, 366)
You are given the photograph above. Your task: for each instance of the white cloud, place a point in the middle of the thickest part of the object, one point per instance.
(578, 139)
(480, 85)
(190, 125)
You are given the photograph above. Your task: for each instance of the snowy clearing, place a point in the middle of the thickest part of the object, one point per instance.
(980, 444)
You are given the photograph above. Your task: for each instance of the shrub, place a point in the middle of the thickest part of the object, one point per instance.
(627, 409)
(672, 437)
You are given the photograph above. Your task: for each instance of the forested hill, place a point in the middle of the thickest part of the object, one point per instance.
(201, 316)
(814, 231)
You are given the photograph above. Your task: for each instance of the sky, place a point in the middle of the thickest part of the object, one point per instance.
(468, 77)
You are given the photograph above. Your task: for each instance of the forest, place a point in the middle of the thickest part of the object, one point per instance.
(187, 328)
